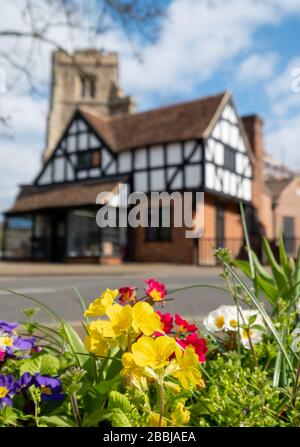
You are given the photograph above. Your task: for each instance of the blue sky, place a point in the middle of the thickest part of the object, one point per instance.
(206, 46)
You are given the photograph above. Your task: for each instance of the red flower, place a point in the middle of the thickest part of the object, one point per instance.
(167, 321)
(127, 294)
(156, 290)
(2, 356)
(183, 325)
(199, 345)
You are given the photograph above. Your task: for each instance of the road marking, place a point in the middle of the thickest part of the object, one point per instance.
(31, 290)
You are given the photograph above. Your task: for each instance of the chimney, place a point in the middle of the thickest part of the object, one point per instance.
(253, 125)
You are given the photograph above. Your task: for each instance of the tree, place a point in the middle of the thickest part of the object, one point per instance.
(42, 21)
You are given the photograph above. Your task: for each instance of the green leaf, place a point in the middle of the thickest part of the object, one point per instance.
(45, 364)
(120, 419)
(57, 421)
(296, 277)
(124, 413)
(270, 292)
(93, 419)
(261, 270)
(106, 386)
(244, 266)
(262, 312)
(278, 362)
(283, 256)
(278, 273)
(75, 344)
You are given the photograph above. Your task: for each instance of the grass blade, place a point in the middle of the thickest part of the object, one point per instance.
(263, 313)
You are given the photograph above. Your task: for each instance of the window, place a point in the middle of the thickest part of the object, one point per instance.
(88, 86)
(88, 159)
(229, 159)
(83, 238)
(159, 216)
(18, 234)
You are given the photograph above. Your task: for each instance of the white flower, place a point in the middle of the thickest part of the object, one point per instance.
(215, 320)
(298, 307)
(254, 335)
(230, 319)
(296, 340)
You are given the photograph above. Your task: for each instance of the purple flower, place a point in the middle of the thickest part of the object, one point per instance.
(24, 344)
(8, 327)
(50, 387)
(24, 382)
(7, 389)
(10, 344)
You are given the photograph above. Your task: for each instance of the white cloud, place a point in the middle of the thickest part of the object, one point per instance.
(284, 131)
(256, 67)
(281, 91)
(19, 164)
(199, 40)
(283, 141)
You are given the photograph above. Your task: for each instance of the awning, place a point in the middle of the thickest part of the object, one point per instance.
(39, 198)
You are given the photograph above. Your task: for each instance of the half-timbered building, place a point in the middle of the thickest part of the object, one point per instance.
(201, 145)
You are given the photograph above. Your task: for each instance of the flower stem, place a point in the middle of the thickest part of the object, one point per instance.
(161, 402)
(75, 409)
(294, 392)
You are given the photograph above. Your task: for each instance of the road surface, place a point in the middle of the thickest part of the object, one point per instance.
(58, 292)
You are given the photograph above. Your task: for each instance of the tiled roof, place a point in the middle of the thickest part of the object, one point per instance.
(38, 198)
(168, 124)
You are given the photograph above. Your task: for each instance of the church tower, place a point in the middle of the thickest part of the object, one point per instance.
(87, 77)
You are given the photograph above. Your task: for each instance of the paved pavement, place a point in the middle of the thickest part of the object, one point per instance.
(55, 287)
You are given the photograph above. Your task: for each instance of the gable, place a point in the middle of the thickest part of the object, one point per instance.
(228, 166)
(80, 154)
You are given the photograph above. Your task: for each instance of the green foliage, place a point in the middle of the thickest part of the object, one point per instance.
(45, 364)
(238, 397)
(123, 412)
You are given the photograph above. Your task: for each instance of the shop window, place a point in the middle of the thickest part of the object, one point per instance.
(18, 234)
(83, 237)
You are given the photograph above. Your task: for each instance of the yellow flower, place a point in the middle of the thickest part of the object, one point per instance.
(96, 346)
(6, 341)
(181, 415)
(144, 319)
(188, 373)
(3, 392)
(99, 306)
(129, 365)
(153, 353)
(153, 420)
(120, 318)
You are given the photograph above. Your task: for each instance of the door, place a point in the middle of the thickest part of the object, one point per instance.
(58, 237)
(219, 227)
(289, 235)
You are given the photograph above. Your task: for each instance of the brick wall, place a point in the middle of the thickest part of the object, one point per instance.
(178, 250)
(253, 125)
(233, 232)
